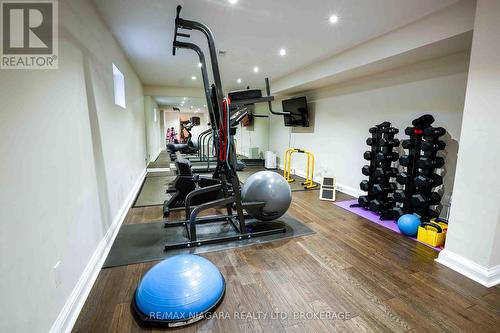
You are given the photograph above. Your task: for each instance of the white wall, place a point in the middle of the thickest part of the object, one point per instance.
(342, 114)
(154, 137)
(70, 158)
(473, 240)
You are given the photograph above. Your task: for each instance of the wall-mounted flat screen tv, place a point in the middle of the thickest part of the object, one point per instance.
(299, 114)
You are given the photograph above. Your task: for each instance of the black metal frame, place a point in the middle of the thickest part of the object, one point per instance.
(225, 170)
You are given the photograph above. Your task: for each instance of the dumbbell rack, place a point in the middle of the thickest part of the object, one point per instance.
(419, 180)
(380, 171)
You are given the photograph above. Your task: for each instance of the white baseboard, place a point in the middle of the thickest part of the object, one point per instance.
(158, 169)
(340, 187)
(242, 153)
(156, 155)
(74, 304)
(488, 277)
(349, 190)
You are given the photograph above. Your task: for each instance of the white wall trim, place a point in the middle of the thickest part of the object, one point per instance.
(158, 170)
(340, 187)
(156, 155)
(74, 304)
(350, 190)
(242, 153)
(488, 277)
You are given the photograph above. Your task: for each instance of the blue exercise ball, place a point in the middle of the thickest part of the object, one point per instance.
(178, 291)
(270, 187)
(408, 224)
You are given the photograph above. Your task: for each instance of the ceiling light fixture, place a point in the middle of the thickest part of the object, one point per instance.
(200, 65)
(232, 2)
(333, 19)
(282, 52)
(193, 78)
(239, 80)
(256, 69)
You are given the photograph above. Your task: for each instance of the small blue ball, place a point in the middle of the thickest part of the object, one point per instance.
(408, 224)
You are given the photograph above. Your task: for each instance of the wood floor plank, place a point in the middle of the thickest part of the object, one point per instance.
(385, 282)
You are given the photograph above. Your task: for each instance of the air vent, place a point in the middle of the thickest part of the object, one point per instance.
(222, 53)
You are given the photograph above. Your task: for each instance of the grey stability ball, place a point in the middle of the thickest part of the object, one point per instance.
(270, 187)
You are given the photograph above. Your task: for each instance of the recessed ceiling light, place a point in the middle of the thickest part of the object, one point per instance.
(184, 98)
(256, 69)
(199, 64)
(333, 19)
(193, 78)
(282, 52)
(239, 80)
(204, 105)
(232, 2)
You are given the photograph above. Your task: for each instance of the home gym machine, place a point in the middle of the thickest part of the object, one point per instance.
(188, 147)
(226, 186)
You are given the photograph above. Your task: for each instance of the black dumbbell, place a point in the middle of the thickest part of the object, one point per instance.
(432, 213)
(373, 130)
(421, 200)
(392, 156)
(366, 170)
(367, 155)
(399, 195)
(428, 146)
(408, 144)
(389, 143)
(396, 213)
(379, 188)
(371, 142)
(434, 131)
(426, 213)
(365, 185)
(424, 181)
(423, 121)
(406, 160)
(379, 205)
(381, 172)
(427, 162)
(390, 130)
(364, 201)
(403, 178)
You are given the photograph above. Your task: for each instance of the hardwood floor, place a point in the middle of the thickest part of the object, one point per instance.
(381, 280)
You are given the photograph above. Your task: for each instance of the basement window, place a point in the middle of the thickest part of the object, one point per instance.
(119, 87)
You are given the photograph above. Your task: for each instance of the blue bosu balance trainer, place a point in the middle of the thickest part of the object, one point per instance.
(178, 291)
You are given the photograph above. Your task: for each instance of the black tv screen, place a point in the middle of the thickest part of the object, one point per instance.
(299, 114)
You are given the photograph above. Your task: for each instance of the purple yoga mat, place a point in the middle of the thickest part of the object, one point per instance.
(371, 216)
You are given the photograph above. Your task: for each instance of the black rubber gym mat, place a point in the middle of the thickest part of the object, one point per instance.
(153, 190)
(144, 242)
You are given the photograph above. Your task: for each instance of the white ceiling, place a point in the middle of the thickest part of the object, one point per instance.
(252, 32)
(184, 103)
